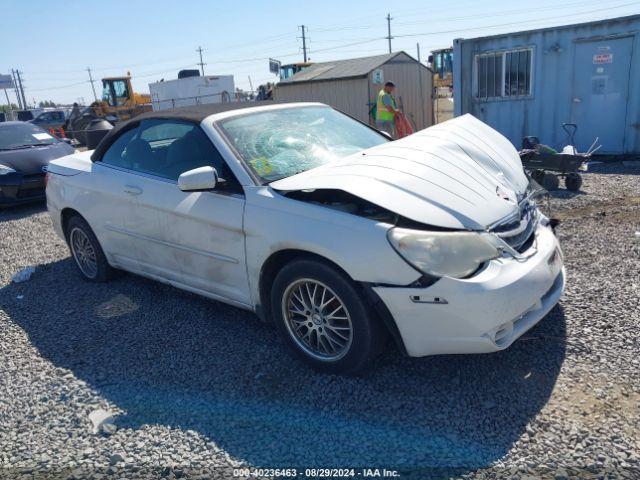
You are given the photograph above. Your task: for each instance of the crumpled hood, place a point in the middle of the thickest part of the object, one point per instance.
(458, 174)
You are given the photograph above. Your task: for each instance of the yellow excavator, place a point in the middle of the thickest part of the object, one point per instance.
(119, 100)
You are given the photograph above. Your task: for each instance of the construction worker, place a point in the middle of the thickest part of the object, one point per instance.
(386, 109)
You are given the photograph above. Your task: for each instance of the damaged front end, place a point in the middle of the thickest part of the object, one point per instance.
(344, 202)
(438, 251)
(454, 196)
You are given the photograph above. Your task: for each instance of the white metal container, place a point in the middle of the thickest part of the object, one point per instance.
(192, 91)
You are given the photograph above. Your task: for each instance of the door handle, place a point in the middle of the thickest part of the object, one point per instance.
(132, 190)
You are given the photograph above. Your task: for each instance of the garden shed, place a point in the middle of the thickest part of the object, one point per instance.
(352, 85)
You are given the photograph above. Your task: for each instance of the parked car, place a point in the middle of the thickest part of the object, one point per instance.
(318, 223)
(53, 119)
(25, 151)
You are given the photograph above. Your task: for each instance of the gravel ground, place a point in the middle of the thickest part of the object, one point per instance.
(198, 388)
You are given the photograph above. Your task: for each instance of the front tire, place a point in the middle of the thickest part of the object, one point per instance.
(323, 318)
(86, 251)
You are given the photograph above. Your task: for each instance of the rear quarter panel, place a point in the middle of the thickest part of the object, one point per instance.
(76, 182)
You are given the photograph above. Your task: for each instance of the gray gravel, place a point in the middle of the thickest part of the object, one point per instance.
(197, 388)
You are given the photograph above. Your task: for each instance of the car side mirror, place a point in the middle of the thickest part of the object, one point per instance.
(198, 179)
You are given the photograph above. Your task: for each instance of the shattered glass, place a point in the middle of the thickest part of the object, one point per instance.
(283, 142)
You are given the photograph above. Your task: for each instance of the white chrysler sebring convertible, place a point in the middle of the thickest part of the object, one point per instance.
(320, 224)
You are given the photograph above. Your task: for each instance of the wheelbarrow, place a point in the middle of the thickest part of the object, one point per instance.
(546, 166)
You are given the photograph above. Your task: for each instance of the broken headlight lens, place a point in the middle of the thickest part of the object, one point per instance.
(445, 254)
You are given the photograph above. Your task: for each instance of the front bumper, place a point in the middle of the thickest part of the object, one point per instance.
(482, 314)
(16, 188)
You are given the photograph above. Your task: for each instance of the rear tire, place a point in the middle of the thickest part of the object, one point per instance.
(550, 181)
(573, 181)
(323, 318)
(86, 251)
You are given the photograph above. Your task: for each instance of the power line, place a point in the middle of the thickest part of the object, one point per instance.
(160, 72)
(232, 60)
(239, 60)
(445, 18)
(502, 13)
(59, 87)
(327, 28)
(532, 20)
(202, 64)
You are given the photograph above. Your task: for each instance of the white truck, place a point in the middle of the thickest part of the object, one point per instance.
(192, 91)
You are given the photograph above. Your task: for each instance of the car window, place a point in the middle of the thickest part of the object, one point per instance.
(168, 148)
(168, 131)
(115, 154)
(282, 142)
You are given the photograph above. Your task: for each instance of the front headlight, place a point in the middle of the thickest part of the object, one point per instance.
(445, 254)
(4, 169)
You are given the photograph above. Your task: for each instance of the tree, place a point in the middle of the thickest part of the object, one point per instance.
(47, 104)
(7, 108)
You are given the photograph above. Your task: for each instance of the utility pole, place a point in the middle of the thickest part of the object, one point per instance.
(9, 105)
(24, 100)
(16, 89)
(199, 50)
(304, 42)
(389, 37)
(95, 97)
(422, 111)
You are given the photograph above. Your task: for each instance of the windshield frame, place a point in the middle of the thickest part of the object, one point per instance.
(217, 124)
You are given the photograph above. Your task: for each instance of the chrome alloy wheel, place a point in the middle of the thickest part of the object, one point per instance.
(83, 252)
(317, 319)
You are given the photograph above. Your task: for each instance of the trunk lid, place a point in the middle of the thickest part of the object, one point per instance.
(72, 164)
(459, 174)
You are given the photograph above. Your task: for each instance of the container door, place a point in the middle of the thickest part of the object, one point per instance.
(600, 92)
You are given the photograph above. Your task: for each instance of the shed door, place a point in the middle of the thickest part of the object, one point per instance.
(600, 92)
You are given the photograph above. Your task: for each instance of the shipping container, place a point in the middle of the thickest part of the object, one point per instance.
(530, 83)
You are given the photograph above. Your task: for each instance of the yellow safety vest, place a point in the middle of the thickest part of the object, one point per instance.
(382, 113)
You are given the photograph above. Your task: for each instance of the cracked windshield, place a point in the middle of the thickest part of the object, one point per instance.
(280, 143)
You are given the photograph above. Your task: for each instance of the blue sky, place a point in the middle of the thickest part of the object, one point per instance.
(54, 42)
